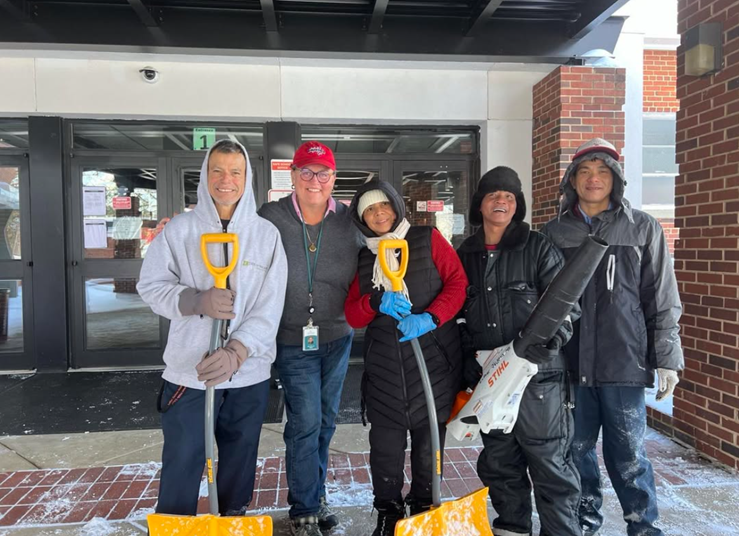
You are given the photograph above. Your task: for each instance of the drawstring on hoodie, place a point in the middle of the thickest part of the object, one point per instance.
(611, 274)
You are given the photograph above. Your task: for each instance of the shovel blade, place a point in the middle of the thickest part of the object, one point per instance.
(466, 516)
(209, 525)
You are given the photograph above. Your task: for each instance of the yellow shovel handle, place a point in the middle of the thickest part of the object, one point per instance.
(220, 274)
(396, 278)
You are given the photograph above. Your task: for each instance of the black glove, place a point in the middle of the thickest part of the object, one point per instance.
(540, 354)
(472, 371)
(565, 331)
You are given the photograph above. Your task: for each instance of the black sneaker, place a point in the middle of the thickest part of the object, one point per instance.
(417, 506)
(305, 526)
(326, 518)
(388, 515)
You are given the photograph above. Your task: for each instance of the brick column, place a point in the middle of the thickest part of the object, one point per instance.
(571, 106)
(706, 402)
(660, 81)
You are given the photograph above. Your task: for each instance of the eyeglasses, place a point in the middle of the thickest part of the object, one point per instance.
(322, 176)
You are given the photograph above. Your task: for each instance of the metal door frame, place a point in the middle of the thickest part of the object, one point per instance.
(80, 268)
(22, 268)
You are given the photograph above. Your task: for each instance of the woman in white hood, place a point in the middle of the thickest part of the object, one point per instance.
(175, 283)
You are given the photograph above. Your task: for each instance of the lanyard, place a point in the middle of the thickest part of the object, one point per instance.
(312, 271)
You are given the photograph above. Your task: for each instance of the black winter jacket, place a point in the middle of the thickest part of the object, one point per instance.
(392, 392)
(505, 285)
(392, 388)
(631, 307)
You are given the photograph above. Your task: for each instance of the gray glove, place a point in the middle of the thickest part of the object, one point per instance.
(214, 302)
(222, 364)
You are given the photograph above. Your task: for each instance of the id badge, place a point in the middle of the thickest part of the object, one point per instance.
(310, 338)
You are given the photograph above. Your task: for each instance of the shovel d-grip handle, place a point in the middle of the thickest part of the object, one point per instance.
(220, 274)
(396, 278)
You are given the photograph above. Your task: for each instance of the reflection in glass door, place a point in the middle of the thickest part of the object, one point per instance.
(15, 266)
(115, 211)
(350, 175)
(437, 194)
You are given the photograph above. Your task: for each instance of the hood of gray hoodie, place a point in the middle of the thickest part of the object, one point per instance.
(206, 207)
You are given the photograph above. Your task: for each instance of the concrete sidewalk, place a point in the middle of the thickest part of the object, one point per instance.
(104, 484)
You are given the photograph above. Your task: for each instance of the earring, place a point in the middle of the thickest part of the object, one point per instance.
(292, 186)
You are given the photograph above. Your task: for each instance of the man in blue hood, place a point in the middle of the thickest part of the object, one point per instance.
(628, 329)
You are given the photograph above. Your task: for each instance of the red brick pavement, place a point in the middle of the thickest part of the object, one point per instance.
(128, 492)
(53, 496)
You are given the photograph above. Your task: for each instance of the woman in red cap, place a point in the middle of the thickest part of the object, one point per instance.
(314, 338)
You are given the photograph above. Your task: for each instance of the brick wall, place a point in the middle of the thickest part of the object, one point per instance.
(571, 106)
(672, 233)
(660, 81)
(707, 255)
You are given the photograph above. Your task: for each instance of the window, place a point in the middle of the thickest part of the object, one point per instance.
(658, 167)
(388, 140)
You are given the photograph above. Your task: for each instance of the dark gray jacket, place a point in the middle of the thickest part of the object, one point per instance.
(631, 307)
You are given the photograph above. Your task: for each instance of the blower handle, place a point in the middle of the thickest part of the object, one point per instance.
(220, 275)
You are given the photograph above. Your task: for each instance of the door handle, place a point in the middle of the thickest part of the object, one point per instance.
(74, 263)
(29, 264)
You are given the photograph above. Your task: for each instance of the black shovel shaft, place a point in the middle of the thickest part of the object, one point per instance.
(210, 402)
(433, 424)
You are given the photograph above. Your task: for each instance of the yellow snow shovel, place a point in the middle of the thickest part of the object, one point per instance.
(467, 516)
(212, 524)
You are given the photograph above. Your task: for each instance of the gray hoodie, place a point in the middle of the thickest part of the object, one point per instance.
(173, 264)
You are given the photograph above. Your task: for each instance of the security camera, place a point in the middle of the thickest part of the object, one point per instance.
(149, 74)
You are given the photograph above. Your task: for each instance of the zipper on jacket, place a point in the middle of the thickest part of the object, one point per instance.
(405, 389)
(484, 288)
(442, 351)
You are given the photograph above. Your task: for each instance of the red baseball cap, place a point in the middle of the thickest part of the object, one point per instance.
(313, 152)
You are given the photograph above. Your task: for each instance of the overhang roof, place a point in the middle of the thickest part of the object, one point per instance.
(488, 30)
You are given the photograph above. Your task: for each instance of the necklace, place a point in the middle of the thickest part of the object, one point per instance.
(312, 245)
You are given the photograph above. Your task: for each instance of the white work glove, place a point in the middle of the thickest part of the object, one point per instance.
(667, 381)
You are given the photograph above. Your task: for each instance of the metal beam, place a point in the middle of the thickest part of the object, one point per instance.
(483, 18)
(268, 12)
(143, 13)
(17, 12)
(378, 15)
(593, 14)
(67, 26)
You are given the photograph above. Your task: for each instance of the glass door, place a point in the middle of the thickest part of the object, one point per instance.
(437, 193)
(115, 206)
(15, 266)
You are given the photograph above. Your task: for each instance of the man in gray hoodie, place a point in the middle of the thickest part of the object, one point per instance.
(176, 284)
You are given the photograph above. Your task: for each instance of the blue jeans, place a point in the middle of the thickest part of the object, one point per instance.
(622, 413)
(239, 414)
(312, 383)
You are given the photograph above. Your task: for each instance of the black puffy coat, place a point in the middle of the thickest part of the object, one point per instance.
(391, 386)
(505, 285)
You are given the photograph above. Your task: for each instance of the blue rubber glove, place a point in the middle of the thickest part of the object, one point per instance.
(416, 325)
(395, 304)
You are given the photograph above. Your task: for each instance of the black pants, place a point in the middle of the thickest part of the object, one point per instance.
(238, 422)
(387, 459)
(540, 442)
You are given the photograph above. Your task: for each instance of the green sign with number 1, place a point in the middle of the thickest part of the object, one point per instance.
(203, 138)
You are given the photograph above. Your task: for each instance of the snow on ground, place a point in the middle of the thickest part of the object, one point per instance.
(101, 527)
